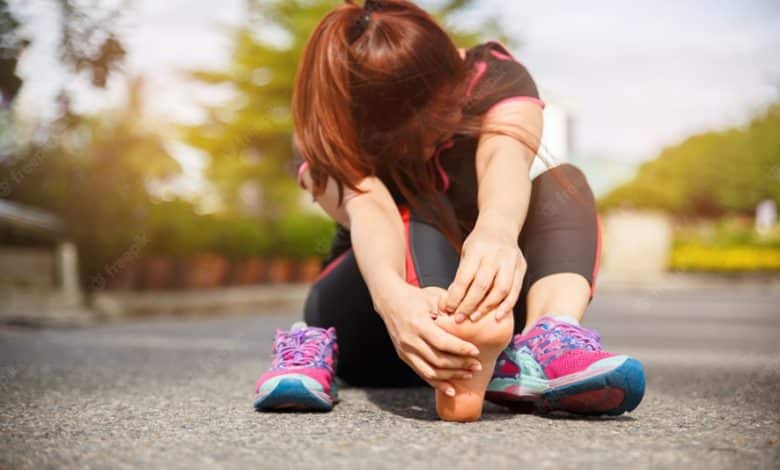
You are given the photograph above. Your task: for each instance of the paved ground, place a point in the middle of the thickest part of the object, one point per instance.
(178, 393)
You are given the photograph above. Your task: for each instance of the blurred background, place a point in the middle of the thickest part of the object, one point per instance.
(145, 145)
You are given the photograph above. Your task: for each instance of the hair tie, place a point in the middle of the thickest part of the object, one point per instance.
(362, 21)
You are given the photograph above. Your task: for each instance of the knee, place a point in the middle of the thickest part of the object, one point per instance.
(559, 193)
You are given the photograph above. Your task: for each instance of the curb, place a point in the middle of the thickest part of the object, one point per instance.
(255, 299)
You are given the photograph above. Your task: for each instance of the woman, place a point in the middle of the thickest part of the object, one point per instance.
(421, 153)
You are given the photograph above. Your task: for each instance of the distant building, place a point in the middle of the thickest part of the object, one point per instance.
(556, 138)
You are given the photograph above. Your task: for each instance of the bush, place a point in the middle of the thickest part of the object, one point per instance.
(711, 174)
(242, 238)
(175, 229)
(729, 245)
(690, 257)
(301, 235)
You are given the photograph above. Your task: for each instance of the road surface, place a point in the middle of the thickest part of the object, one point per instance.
(177, 393)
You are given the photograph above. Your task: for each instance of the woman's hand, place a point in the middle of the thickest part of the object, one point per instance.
(435, 355)
(490, 274)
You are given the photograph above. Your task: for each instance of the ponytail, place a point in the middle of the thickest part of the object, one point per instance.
(326, 134)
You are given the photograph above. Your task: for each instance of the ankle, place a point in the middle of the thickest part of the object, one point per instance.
(561, 317)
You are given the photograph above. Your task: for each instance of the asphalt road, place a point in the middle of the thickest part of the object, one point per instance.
(178, 394)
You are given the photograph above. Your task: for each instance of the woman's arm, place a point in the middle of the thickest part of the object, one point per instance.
(491, 271)
(379, 243)
(503, 164)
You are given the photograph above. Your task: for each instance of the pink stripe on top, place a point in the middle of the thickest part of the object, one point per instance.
(445, 178)
(481, 67)
(501, 56)
(518, 98)
(501, 44)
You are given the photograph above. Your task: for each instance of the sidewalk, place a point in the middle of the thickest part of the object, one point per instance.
(270, 298)
(247, 299)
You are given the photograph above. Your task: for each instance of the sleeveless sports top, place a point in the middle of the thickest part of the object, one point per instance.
(496, 78)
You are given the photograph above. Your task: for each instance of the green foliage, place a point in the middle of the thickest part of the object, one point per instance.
(725, 233)
(699, 258)
(175, 229)
(728, 245)
(301, 235)
(242, 238)
(92, 173)
(710, 174)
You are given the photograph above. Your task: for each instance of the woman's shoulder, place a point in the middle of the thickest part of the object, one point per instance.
(496, 76)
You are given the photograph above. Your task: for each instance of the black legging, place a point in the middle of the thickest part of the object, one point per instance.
(561, 234)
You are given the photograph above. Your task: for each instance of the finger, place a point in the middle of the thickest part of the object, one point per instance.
(448, 343)
(502, 285)
(445, 361)
(442, 386)
(431, 374)
(466, 270)
(435, 296)
(509, 302)
(481, 285)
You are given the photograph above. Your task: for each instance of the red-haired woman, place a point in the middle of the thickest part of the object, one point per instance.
(445, 247)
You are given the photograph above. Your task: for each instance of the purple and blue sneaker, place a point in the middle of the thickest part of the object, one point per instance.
(558, 366)
(302, 372)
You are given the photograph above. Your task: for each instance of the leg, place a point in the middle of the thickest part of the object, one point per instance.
(340, 298)
(435, 263)
(562, 293)
(561, 242)
(557, 364)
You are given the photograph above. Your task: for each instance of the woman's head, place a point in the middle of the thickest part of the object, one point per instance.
(376, 87)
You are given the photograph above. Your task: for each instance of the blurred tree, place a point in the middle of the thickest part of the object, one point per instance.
(710, 174)
(248, 138)
(91, 170)
(11, 45)
(92, 173)
(87, 42)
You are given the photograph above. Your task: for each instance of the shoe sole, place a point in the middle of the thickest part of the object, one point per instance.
(601, 392)
(292, 393)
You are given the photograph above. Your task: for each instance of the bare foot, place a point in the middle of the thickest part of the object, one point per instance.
(491, 337)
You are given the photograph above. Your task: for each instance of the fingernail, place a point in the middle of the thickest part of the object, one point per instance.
(450, 392)
(474, 316)
(476, 367)
(475, 352)
(459, 317)
(466, 376)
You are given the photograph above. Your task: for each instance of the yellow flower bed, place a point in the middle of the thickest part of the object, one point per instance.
(692, 257)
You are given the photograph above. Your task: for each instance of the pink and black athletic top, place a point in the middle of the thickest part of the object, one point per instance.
(496, 78)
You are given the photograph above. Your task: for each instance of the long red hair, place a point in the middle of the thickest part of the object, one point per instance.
(370, 95)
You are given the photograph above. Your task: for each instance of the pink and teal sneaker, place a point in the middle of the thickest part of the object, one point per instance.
(302, 371)
(558, 366)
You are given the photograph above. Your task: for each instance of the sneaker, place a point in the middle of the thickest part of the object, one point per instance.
(302, 371)
(558, 366)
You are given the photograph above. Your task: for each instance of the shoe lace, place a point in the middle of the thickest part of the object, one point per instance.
(562, 338)
(299, 348)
